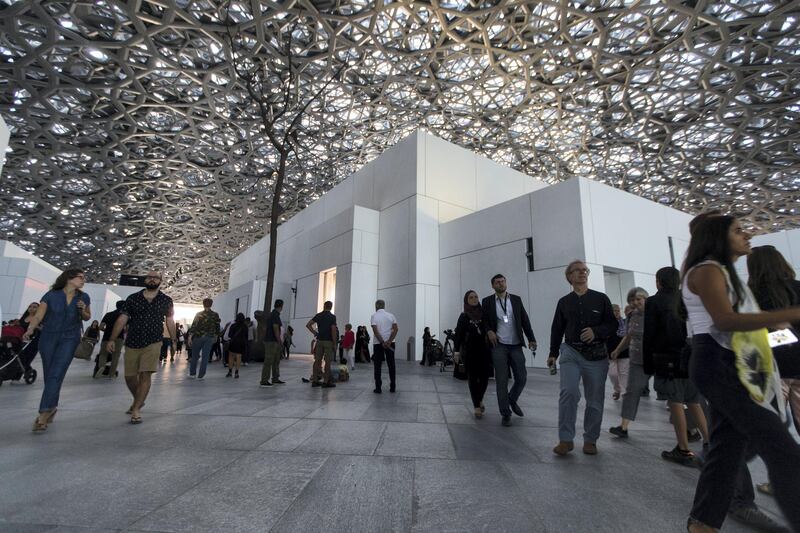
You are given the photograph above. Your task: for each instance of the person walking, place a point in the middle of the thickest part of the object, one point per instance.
(384, 328)
(469, 346)
(362, 344)
(270, 371)
(663, 346)
(772, 281)
(618, 368)
(144, 313)
(106, 326)
(179, 333)
(718, 305)
(202, 335)
(638, 374)
(61, 313)
(237, 336)
(167, 346)
(348, 342)
(584, 321)
(287, 341)
(504, 321)
(323, 327)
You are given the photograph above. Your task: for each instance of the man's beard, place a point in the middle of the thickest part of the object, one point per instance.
(152, 286)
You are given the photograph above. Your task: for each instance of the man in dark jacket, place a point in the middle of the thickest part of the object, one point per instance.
(505, 321)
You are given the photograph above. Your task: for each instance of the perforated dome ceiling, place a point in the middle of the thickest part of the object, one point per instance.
(133, 148)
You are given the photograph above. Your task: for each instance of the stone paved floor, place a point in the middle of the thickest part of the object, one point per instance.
(226, 455)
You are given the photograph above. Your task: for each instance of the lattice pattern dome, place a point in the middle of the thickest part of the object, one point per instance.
(134, 146)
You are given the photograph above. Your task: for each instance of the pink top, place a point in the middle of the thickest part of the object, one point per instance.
(349, 340)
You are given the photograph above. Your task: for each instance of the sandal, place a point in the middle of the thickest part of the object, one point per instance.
(39, 426)
(765, 488)
(130, 409)
(136, 419)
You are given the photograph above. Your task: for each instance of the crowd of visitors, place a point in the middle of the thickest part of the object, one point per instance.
(703, 337)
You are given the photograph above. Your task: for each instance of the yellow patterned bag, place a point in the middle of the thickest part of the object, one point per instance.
(755, 364)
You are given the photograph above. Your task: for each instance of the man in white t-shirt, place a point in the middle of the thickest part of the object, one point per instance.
(384, 328)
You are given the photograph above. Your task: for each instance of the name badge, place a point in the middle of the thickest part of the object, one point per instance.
(505, 319)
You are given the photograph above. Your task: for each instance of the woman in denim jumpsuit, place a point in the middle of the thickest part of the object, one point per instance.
(60, 313)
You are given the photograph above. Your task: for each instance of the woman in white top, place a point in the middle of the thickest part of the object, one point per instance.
(717, 302)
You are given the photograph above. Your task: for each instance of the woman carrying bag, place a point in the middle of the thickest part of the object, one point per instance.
(61, 313)
(470, 347)
(722, 313)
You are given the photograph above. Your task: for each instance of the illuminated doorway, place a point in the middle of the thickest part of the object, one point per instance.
(327, 287)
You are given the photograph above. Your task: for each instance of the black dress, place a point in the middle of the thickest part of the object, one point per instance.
(470, 342)
(238, 338)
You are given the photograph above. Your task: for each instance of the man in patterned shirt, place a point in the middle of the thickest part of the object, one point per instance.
(144, 313)
(202, 336)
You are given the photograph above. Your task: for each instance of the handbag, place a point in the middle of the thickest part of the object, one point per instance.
(756, 368)
(85, 348)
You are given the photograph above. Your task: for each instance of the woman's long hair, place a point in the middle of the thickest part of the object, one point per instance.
(669, 279)
(68, 274)
(770, 278)
(710, 241)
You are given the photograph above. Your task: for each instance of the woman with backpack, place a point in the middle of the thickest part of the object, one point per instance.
(664, 351)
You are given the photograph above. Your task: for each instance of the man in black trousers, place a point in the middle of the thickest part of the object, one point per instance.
(505, 320)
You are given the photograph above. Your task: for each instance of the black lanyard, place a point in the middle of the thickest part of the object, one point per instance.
(504, 305)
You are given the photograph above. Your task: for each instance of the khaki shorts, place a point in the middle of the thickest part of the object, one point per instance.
(142, 359)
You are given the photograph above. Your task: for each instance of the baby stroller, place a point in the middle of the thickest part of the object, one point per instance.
(15, 360)
(447, 357)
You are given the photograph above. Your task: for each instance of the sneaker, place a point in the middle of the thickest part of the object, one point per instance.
(563, 448)
(681, 457)
(619, 432)
(376, 391)
(305, 380)
(230, 373)
(200, 378)
(192, 376)
(756, 518)
(265, 384)
(506, 421)
(763, 488)
(516, 409)
(236, 375)
(316, 384)
(277, 382)
(328, 385)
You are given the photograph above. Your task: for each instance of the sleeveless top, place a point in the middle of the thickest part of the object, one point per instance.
(700, 321)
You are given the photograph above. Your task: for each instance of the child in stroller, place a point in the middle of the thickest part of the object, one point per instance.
(15, 359)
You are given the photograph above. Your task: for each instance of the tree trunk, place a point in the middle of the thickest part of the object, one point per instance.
(274, 217)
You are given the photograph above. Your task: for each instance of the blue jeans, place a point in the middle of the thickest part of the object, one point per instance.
(503, 357)
(575, 367)
(57, 353)
(201, 348)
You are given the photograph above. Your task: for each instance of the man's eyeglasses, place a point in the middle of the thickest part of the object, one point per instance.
(580, 271)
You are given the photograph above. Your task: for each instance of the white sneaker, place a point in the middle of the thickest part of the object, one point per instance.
(192, 376)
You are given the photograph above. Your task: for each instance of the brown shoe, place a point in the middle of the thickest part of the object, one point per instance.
(589, 448)
(478, 412)
(563, 448)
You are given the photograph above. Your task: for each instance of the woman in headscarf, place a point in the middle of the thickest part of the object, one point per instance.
(470, 346)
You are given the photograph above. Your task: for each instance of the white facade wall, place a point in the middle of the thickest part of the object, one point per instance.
(24, 278)
(5, 135)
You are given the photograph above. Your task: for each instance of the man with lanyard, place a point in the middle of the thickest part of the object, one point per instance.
(505, 320)
(144, 314)
(384, 327)
(584, 320)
